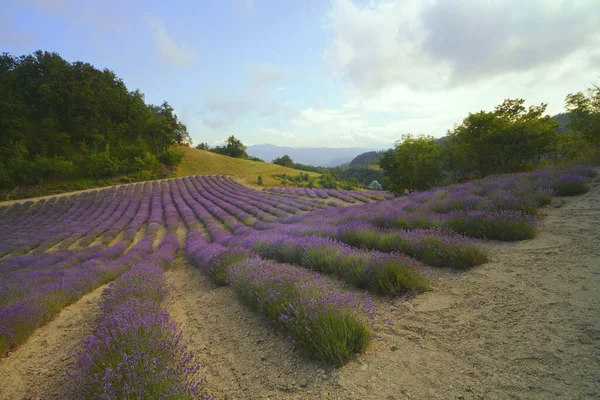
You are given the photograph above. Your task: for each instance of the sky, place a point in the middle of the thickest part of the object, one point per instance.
(321, 73)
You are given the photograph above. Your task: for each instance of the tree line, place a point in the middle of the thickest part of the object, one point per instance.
(511, 138)
(233, 147)
(72, 120)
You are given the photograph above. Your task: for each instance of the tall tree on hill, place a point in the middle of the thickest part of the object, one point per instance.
(235, 147)
(285, 161)
(503, 140)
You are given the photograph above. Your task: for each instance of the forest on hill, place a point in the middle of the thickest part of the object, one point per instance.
(75, 121)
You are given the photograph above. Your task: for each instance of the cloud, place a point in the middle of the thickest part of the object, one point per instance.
(167, 50)
(488, 38)
(428, 45)
(255, 97)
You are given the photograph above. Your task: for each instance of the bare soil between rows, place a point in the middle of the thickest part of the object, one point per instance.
(526, 325)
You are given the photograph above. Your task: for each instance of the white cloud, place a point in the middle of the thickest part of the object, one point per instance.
(434, 44)
(167, 50)
(257, 96)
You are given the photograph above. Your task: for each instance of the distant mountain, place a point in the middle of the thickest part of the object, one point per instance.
(316, 156)
(368, 158)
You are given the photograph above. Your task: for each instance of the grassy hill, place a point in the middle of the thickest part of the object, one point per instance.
(200, 162)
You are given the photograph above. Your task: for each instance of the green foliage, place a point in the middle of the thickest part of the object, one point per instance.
(259, 180)
(414, 164)
(70, 120)
(285, 161)
(570, 187)
(501, 141)
(328, 181)
(493, 227)
(301, 179)
(359, 175)
(368, 158)
(234, 148)
(203, 146)
(100, 165)
(391, 277)
(171, 157)
(585, 114)
(572, 146)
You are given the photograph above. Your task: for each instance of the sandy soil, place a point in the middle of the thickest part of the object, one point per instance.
(36, 370)
(524, 326)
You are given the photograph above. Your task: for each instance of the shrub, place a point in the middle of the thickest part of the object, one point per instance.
(494, 225)
(329, 326)
(570, 185)
(450, 252)
(394, 276)
(216, 268)
(171, 157)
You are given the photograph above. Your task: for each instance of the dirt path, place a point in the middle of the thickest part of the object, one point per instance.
(524, 326)
(36, 370)
(244, 357)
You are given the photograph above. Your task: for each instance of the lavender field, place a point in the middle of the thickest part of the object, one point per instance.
(313, 262)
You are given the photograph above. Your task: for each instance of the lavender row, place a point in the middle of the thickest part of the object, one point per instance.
(129, 217)
(207, 185)
(40, 240)
(435, 247)
(327, 325)
(386, 274)
(137, 351)
(500, 208)
(19, 319)
(261, 198)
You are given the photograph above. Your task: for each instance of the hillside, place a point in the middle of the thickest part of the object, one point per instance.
(195, 162)
(200, 162)
(368, 158)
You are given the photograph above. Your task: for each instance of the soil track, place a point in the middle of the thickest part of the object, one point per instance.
(36, 370)
(524, 326)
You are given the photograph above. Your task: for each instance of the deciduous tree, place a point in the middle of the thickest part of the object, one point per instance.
(414, 164)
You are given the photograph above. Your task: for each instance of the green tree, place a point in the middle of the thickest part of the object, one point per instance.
(259, 180)
(504, 140)
(202, 146)
(236, 148)
(62, 119)
(285, 160)
(233, 148)
(585, 114)
(415, 163)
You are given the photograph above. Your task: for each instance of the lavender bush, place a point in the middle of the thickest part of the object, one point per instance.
(137, 351)
(329, 326)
